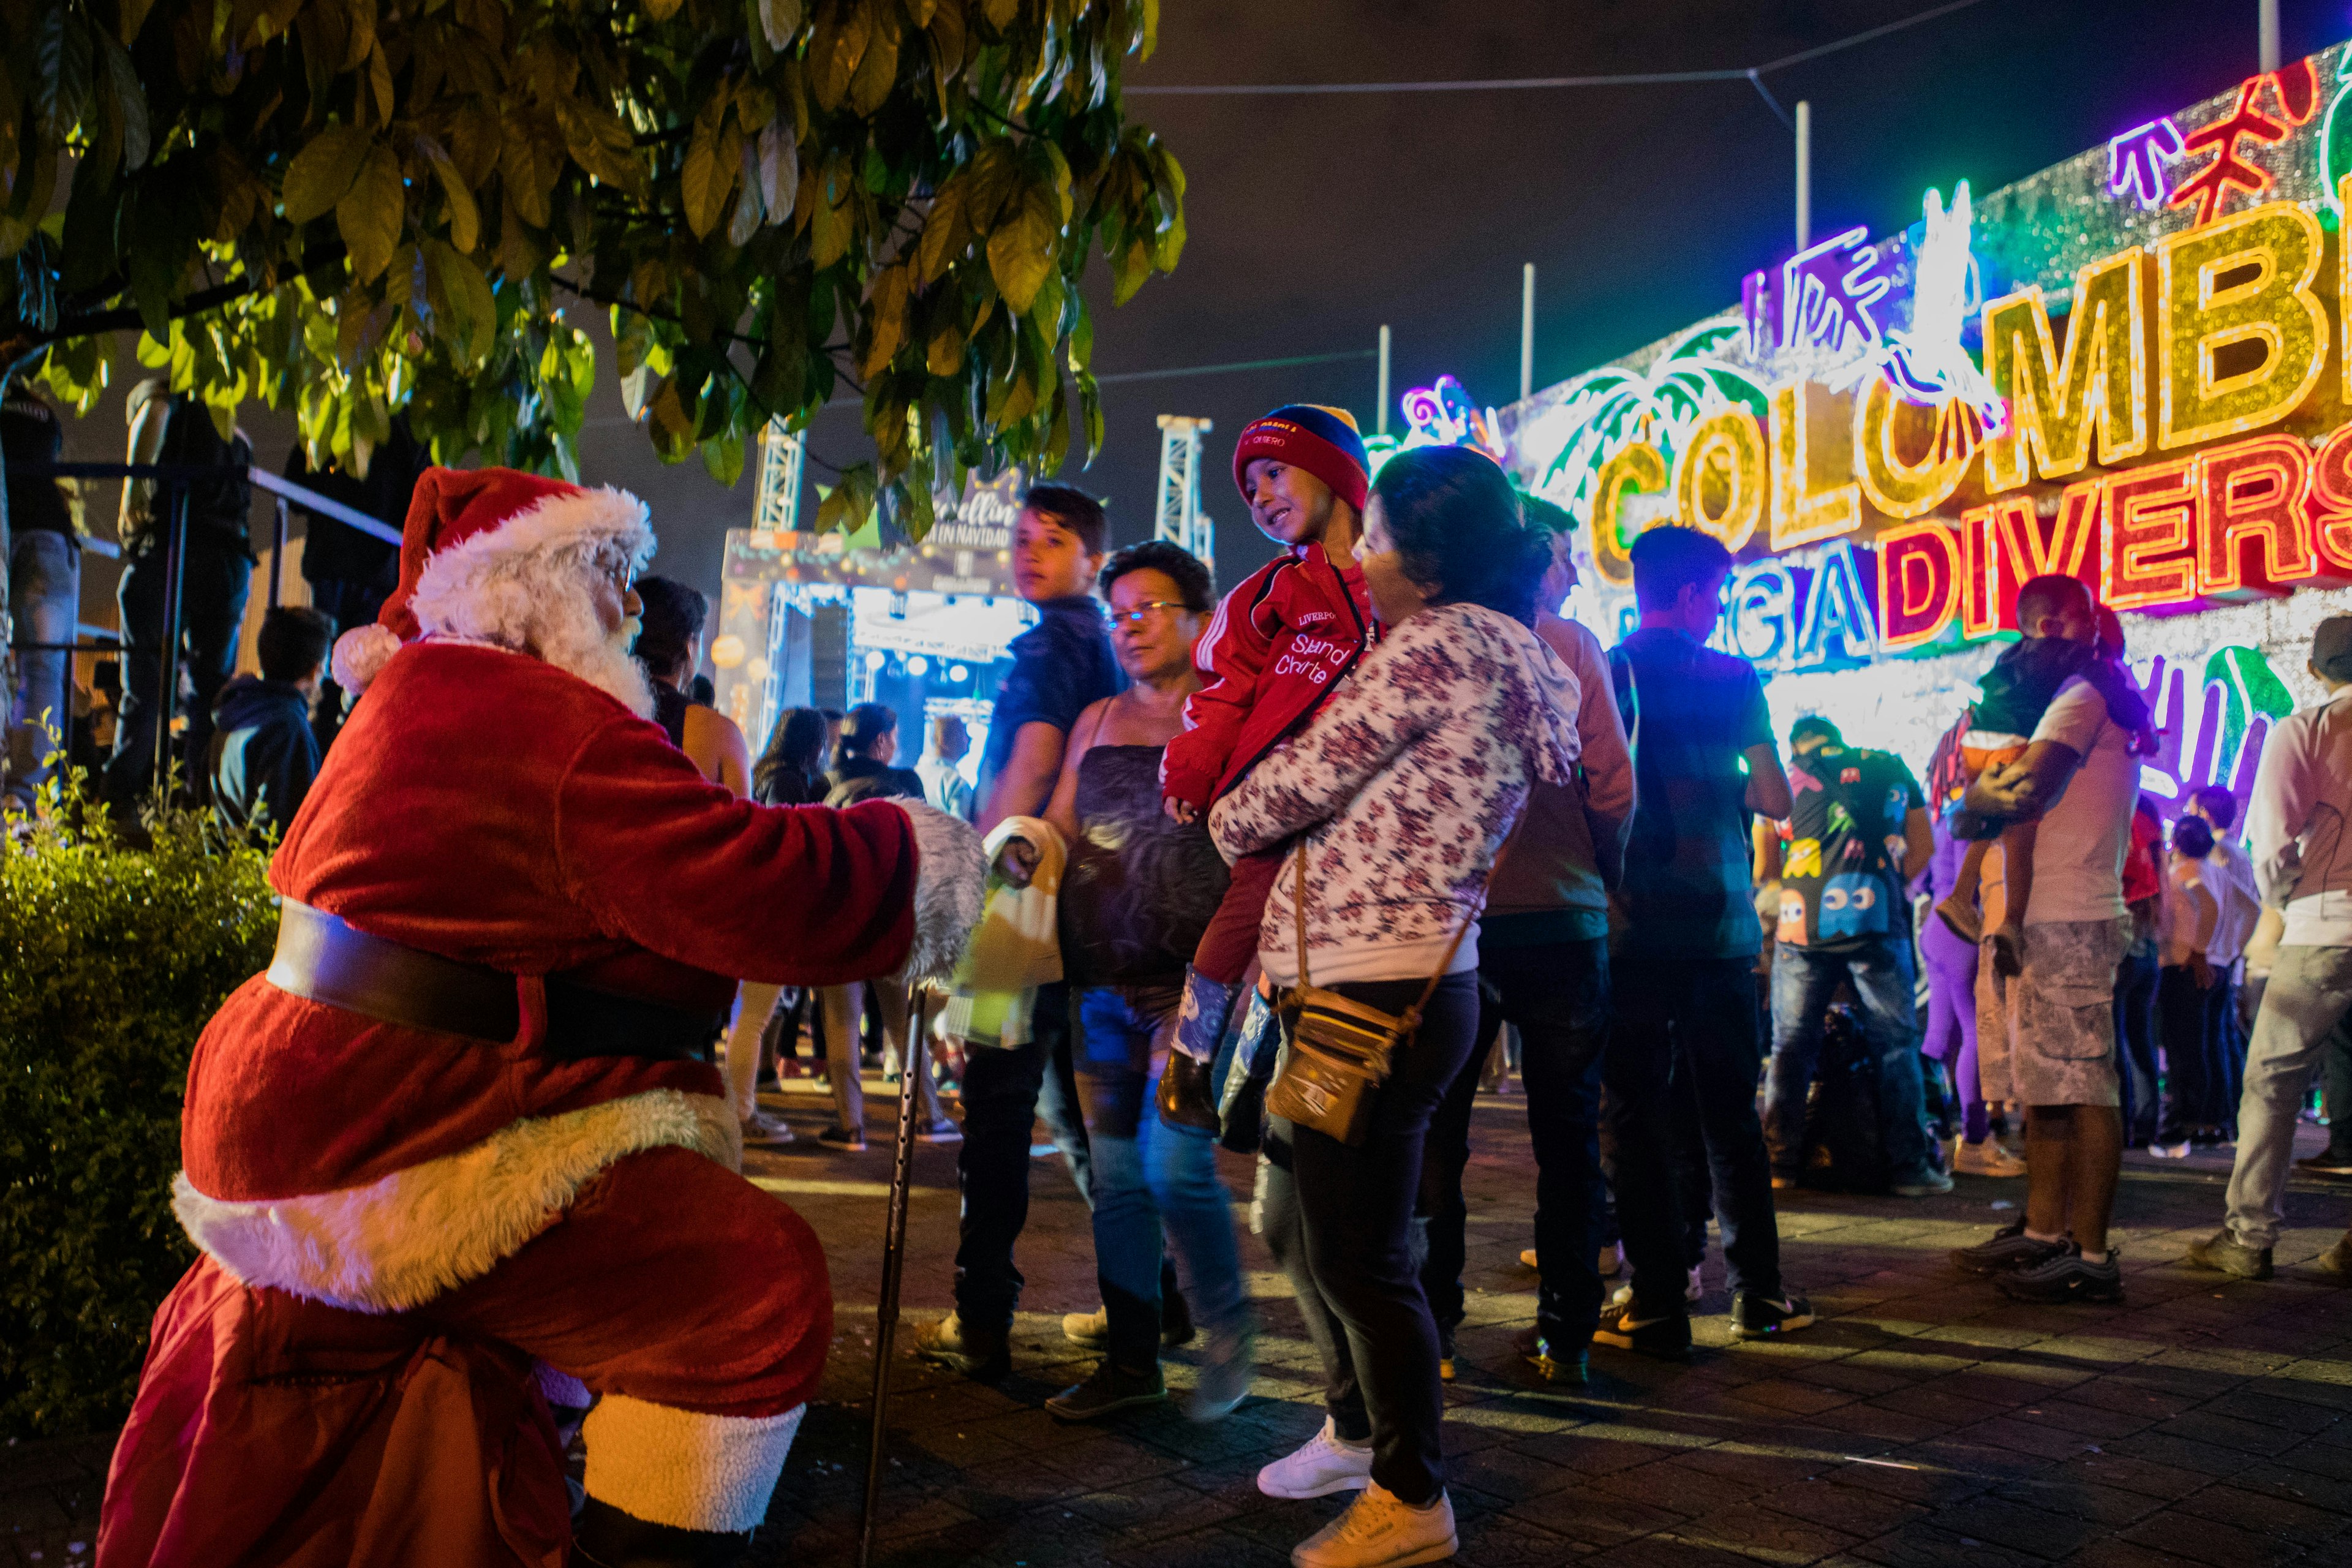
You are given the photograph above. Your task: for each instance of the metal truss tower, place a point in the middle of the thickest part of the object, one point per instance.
(1179, 517)
(779, 503)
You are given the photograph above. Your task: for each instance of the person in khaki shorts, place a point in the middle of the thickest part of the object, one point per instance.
(2047, 1036)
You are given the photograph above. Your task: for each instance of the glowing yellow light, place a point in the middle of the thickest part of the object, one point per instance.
(2056, 400)
(2065, 549)
(1808, 505)
(1883, 423)
(1719, 481)
(2253, 492)
(2331, 512)
(2245, 278)
(1641, 468)
(2151, 515)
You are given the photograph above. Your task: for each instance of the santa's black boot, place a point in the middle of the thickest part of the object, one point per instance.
(605, 1537)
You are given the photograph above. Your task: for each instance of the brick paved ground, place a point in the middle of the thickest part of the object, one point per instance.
(1926, 1421)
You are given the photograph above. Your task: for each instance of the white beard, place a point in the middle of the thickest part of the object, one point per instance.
(539, 602)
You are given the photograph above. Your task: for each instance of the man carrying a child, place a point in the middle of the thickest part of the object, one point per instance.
(2057, 928)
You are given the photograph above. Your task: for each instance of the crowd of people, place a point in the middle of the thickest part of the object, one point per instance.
(1275, 872)
(1300, 796)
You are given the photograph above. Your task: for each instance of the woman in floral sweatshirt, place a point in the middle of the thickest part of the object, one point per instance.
(1402, 790)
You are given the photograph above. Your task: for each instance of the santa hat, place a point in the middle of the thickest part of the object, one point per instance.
(1323, 441)
(464, 522)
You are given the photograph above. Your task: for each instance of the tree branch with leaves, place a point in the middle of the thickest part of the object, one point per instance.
(356, 207)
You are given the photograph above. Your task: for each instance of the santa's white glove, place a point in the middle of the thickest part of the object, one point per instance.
(950, 885)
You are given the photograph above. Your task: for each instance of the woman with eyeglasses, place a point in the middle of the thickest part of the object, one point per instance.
(1398, 795)
(1136, 893)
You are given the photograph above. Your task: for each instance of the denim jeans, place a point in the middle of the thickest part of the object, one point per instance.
(45, 597)
(1356, 1204)
(1557, 995)
(215, 573)
(1703, 1009)
(2136, 986)
(1803, 981)
(2309, 994)
(1153, 1183)
(1004, 1093)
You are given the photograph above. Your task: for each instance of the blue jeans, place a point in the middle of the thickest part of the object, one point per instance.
(45, 595)
(1004, 1093)
(1153, 1183)
(1803, 981)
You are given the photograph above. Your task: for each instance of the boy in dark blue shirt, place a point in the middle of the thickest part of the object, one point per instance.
(264, 752)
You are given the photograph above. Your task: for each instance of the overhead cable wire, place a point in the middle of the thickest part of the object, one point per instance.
(1750, 73)
(1226, 369)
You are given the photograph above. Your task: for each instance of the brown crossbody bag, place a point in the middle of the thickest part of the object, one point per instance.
(1340, 1049)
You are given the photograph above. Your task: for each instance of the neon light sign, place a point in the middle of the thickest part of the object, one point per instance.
(2297, 94)
(1826, 293)
(2136, 162)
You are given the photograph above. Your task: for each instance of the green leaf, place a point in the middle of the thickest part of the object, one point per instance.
(706, 179)
(1022, 249)
(946, 232)
(843, 31)
(470, 311)
(1128, 269)
(877, 69)
(464, 218)
(663, 10)
(370, 212)
(129, 101)
(779, 170)
(324, 171)
(722, 459)
(1000, 13)
(779, 20)
(889, 307)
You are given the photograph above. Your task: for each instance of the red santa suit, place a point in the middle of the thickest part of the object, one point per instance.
(409, 1232)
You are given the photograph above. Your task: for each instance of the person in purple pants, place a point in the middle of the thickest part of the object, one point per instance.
(1951, 1037)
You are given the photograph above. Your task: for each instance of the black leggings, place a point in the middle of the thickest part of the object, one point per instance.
(1356, 1207)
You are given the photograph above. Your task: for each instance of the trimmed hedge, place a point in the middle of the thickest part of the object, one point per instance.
(111, 959)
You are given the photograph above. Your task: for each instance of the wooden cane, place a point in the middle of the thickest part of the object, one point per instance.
(916, 1057)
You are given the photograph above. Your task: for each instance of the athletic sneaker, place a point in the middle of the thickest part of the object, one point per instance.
(766, 1128)
(983, 1354)
(1107, 1389)
(1572, 1367)
(2328, 1161)
(1693, 1289)
(1986, 1159)
(943, 1130)
(1927, 1181)
(1666, 1336)
(2173, 1150)
(2068, 1276)
(1755, 1317)
(1380, 1530)
(849, 1140)
(2009, 1250)
(2337, 1261)
(2224, 1254)
(1225, 1373)
(1324, 1464)
(1091, 1331)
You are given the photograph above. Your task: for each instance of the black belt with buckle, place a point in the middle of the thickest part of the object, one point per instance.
(323, 959)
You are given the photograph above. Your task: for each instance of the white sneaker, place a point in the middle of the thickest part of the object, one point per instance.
(1986, 1159)
(763, 1127)
(1324, 1464)
(1693, 1289)
(1379, 1530)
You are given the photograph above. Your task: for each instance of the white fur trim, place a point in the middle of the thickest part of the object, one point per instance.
(526, 586)
(951, 888)
(361, 654)
(688, 1471)
(399, 1241)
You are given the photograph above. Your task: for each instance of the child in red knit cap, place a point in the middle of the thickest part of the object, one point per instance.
(1278, 645)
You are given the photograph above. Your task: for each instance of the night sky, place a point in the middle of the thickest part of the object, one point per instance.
(1315, 220)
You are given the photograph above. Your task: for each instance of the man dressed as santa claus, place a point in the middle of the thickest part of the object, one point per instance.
(457, 1165)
